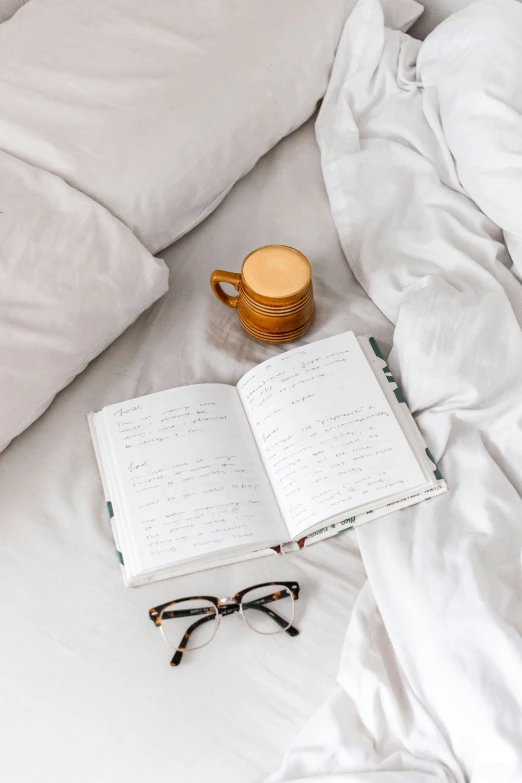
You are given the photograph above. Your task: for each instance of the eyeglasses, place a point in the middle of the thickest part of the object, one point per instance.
(254, 604)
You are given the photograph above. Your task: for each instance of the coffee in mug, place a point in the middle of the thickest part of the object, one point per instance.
(275, 300)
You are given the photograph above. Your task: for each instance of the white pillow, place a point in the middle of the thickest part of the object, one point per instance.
(72, 278)
(471, 70)
(155, 109)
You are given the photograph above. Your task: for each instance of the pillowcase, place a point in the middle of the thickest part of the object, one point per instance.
(72, 278)
(155, 109)
(471, 67)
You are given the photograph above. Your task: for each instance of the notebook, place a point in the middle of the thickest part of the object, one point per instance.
(308, 444)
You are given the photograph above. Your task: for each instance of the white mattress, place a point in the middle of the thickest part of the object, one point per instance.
(86, 690)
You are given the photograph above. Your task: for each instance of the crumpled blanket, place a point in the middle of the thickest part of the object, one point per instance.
(430, 680)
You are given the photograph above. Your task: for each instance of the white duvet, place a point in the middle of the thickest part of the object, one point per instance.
(430, 682)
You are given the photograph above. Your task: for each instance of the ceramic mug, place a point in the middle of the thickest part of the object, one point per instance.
(275, 300)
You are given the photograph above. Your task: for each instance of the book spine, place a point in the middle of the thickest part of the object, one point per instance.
(108, 502)
(113, 528)
(422, 451)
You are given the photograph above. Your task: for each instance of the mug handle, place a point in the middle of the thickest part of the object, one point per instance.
(219, 276)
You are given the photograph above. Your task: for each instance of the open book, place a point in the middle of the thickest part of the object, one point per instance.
(307, 444)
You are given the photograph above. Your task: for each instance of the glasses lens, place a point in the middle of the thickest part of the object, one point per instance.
(268, 609)
(194, 617)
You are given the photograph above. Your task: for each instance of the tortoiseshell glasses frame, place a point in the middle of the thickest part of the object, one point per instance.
(218, 607)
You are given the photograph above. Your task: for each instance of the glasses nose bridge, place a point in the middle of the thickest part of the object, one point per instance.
(228, 601)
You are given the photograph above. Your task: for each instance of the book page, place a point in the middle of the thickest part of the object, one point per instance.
(190, 478)
(328, 437)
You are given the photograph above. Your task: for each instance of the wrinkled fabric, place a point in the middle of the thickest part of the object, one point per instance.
(470, 70)
(430, 685)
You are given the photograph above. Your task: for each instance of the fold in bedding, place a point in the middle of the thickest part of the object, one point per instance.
(429, 682)
(470, 71)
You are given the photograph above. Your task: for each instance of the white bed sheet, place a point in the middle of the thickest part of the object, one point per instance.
(86, 690)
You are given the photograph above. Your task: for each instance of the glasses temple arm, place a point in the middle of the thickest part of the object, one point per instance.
(289, 629)
(178, 655)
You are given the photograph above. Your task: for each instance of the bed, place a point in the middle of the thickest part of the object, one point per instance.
(85, 678)
(86, 690)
